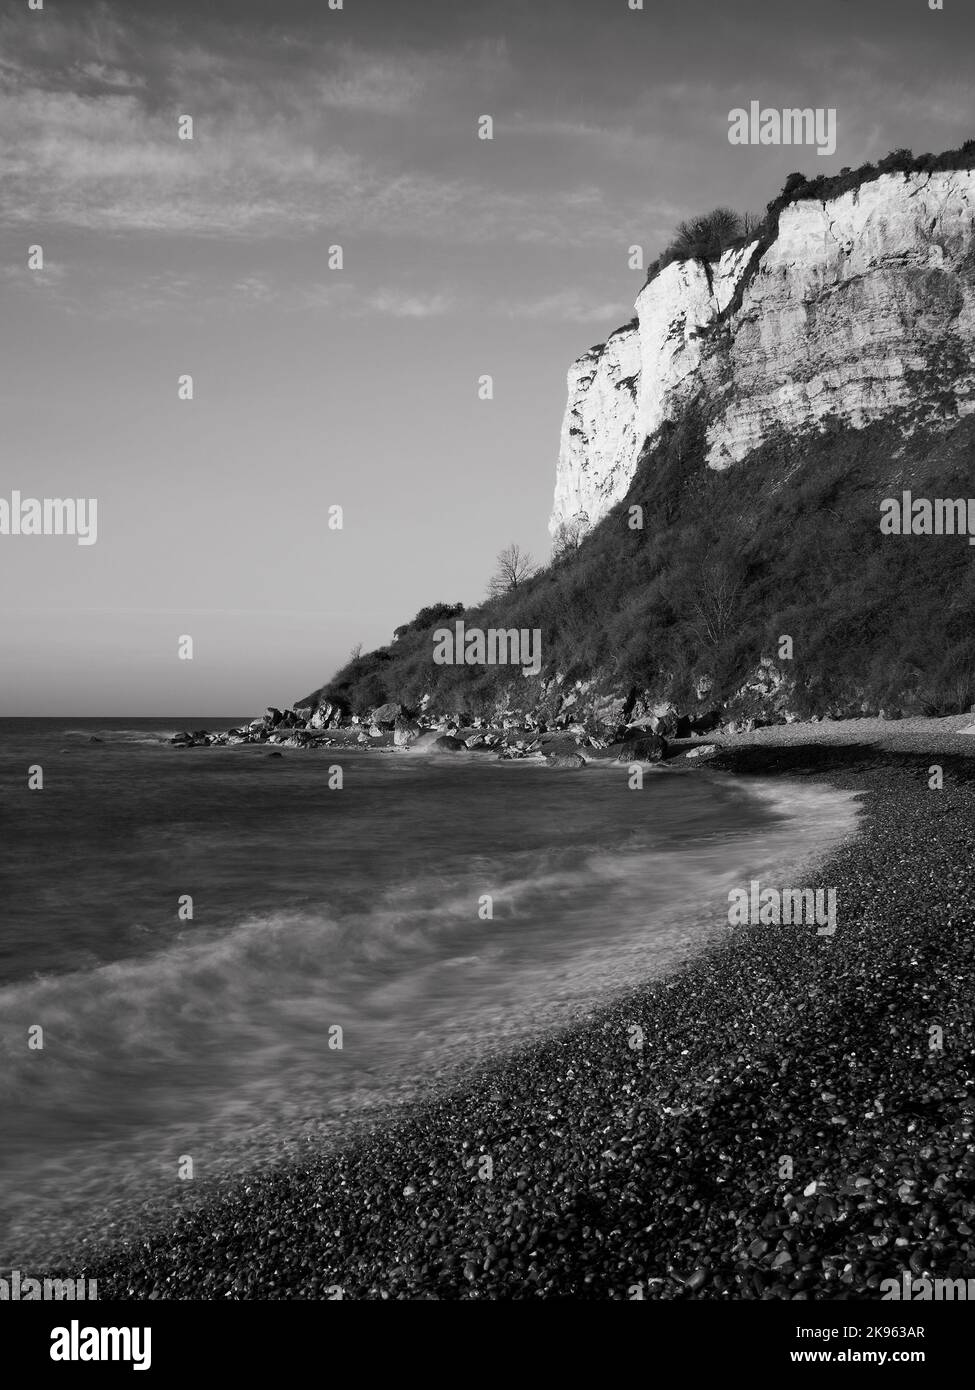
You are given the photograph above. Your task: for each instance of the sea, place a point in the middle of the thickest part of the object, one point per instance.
(211, 959)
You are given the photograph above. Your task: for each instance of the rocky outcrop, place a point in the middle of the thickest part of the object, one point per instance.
(642, 748)
(326, 716)
(858, 306)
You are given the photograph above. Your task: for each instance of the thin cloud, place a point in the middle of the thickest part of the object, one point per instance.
(107, 163)
(194, 295)
(612, 141)
(375, 86)
(566, 306)
(107, 76)
(90, 141)
(21, 277)
(398, 305)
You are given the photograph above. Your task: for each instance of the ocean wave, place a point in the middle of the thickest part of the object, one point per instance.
(222, 1044)
(153, 736)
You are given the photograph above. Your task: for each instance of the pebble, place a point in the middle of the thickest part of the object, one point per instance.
(623, 1173)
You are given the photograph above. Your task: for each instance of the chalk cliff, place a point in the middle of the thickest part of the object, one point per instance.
(844, 310)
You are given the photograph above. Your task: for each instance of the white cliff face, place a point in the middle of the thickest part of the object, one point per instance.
(673, 309)
(853, 312)
(615, 402)
(599, 436)
(859, 307)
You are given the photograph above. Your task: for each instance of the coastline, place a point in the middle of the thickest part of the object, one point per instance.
(657, 1169)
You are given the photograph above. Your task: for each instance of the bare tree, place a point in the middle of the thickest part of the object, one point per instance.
(514, 567)
(567, 538)
(717, 604)
(356, 652)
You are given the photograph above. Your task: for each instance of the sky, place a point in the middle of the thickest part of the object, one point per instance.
(316, 387)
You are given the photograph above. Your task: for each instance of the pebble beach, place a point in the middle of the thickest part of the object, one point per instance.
(789, 1116)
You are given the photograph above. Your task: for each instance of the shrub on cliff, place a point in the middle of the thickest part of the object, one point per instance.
(362, 684)
(431, 616)
(827, 186)
(704, 238)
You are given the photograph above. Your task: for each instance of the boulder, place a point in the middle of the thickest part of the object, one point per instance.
(404, 732)
(322, 716)
(610, 713)
(568, 760)
(662, 724)
(744, 726)
(435, 741)
(424, 742)
(387, 715)
(646, 748)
